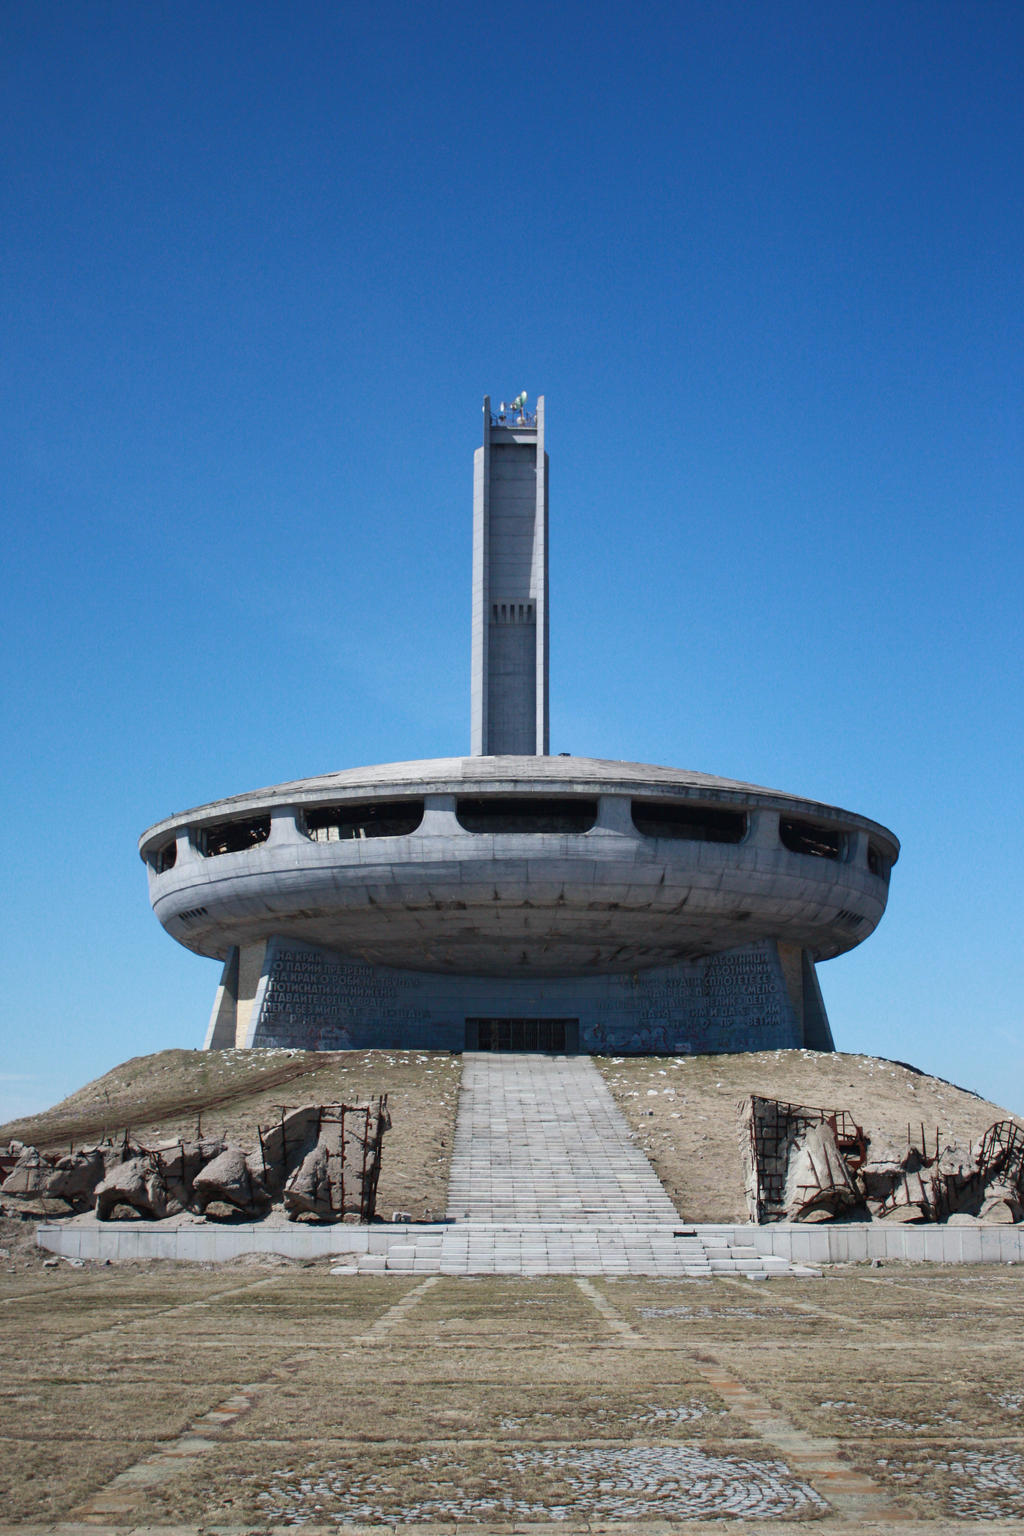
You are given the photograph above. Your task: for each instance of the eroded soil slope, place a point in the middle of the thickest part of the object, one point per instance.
(684, 1111)
(232, 1092)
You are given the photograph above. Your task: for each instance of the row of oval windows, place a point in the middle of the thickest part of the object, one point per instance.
(512, 814)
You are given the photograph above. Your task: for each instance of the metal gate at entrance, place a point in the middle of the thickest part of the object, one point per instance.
(557, 1035)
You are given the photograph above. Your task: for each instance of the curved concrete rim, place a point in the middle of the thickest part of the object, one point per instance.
(513, 775)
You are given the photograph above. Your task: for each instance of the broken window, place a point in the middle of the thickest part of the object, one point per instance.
(374, 818)
(811, 838)
(878, 864)
(695, 823)
(232, 836)
(164, 858)
(522, 813)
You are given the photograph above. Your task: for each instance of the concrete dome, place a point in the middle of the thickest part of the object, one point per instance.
(548, 866)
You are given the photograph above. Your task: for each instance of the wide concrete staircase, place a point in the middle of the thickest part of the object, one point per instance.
(546, 1179)
(540, 1138)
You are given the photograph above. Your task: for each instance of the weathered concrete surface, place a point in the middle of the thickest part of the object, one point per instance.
(509, 687)
(555, 1248)
(610, 899)
(539, 1139)
(734, 1001)
(231, 1179)
(399, 940)
(880, 1400)
(392, 871)
(322, 1159)
(806, 1163)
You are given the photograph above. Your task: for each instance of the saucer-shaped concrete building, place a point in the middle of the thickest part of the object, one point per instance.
(511, 900)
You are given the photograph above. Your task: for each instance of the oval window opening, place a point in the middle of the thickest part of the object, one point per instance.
(232, 836)
(808, 837)
(878, 864)
(164, 858)
(524, 813)
(375, 818)
(691, 823)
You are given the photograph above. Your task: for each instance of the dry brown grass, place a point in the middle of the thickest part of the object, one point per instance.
(230, 1093)
(684, 1111)
(507, 1401)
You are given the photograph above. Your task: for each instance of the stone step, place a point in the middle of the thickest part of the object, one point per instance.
(546, 1179)
(541, 1136)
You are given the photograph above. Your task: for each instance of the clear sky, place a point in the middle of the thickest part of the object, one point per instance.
(260, 263)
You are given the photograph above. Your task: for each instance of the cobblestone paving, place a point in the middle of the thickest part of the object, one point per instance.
(675, 1482)
(244, 1401)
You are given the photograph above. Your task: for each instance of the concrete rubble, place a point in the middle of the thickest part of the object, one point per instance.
(231, 1179)
(339, 1173)
(810, 1165)
(818, 1182)
(320, 1161)
(72, 1178)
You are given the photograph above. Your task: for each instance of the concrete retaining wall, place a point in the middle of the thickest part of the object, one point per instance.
(825, 1244)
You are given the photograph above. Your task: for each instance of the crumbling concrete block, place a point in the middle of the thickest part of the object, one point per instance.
(181, 1162)
(138, 1183)
(230, 1178)
(75, 1176)
(284, 1146)
(338, 1175)
(912, 1199)
(28, 1178)
(309, 1188)
(798, 1162)
(883, 1168)
(72, 1177)
(985, 1180)
(803, 1164)
(819, 1184)
(1002, 1203)
(322, 1160)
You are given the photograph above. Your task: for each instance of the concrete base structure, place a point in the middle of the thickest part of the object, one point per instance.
(280, 993)
(636, 908)
(549, 1247)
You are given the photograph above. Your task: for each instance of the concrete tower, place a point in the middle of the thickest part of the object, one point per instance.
(510, 585)
(511, 900)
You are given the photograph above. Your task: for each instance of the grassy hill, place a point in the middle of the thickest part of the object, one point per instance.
(683, 1109)
(232, 1092)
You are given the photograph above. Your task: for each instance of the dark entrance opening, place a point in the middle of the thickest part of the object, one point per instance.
(559, 1035)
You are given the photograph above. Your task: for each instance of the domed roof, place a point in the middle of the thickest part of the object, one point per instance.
(563, 775)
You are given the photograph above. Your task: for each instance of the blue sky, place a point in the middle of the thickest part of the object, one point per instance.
(260, 263)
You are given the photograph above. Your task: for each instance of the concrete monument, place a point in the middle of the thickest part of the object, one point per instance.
(513, 900)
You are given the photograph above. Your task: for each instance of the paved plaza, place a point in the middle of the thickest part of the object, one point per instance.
(610, 1368)
(251, 1398)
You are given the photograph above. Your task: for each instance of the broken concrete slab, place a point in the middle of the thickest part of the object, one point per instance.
(231, 1179)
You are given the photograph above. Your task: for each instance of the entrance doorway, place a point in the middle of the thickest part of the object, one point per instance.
(558, 1035)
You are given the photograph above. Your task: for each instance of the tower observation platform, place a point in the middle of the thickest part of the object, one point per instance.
(513, 900)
